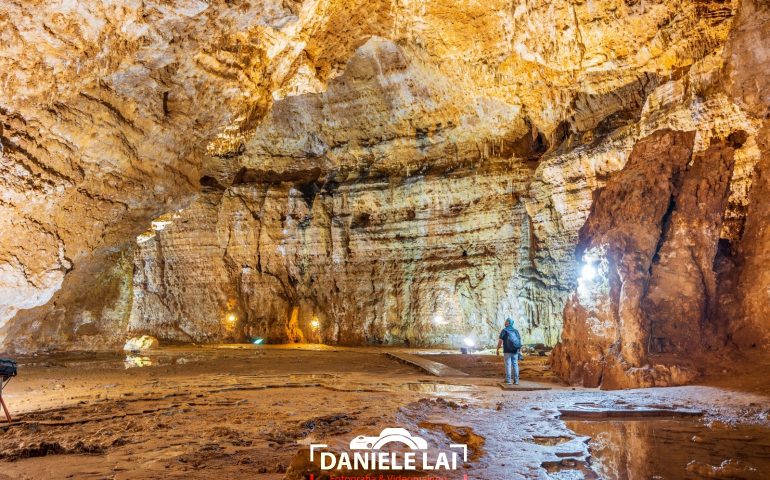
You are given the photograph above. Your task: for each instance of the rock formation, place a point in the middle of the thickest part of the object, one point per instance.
(652, 238)
(745, 296)
(388, 173)
(677, 284)
(414, 236)
(106, 113)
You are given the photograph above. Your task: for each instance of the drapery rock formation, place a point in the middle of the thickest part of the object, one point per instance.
(652, 234)
(388, 172)
(676, 286)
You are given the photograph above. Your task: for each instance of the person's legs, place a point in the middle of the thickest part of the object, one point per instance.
(515, 360)
(507, 358)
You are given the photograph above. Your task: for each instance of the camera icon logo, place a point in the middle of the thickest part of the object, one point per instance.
(389, 435)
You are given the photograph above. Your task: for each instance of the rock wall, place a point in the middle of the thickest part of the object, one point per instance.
(651, 239)
(744, 296)
(380, 231)
(106, 113)
(427, 260)
(678, 286)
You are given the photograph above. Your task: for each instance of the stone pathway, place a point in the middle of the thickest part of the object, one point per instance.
(429, 366)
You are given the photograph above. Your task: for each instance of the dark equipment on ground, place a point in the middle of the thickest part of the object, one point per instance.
(7, 372)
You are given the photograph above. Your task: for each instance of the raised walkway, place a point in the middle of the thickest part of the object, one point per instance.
(429, 366)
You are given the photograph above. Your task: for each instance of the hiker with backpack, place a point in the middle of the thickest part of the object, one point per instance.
(510, 340)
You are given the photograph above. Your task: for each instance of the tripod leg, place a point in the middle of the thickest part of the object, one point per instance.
(5, 409)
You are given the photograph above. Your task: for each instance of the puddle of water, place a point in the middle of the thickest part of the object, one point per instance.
(675, 448)
(310, 376)
(569, 469)
(550, 441)
(137, 361)
(436, 387)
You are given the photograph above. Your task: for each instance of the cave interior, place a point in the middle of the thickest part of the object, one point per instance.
(212, 212)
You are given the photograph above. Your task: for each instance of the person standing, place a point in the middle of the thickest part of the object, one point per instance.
(510, 340)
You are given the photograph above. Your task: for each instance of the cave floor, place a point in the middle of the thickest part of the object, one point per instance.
(233, 410)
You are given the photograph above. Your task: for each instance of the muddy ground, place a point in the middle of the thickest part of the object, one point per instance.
(252, 412)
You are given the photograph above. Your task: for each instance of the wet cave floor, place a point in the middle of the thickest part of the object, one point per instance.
(237, 411)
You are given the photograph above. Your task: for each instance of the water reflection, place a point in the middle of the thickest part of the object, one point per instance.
(133, 361)
(675, 448)
(434, 387)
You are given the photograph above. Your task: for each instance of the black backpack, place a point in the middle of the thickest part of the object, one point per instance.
(7, 368)
(512, 340)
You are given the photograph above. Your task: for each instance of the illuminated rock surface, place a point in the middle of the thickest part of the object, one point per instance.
(652, 235)
(381, 172)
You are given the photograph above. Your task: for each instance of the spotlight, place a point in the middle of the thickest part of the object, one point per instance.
(588, 272)
(257, 341)
(315, 324)
(232, 318)
(469, 342)
(439, 320)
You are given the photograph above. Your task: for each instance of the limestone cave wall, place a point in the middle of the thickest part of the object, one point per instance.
(379, 230)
